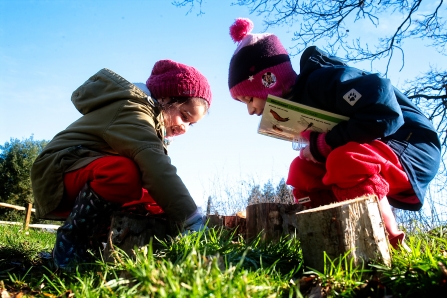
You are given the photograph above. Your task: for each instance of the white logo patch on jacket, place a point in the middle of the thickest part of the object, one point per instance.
(352, 96)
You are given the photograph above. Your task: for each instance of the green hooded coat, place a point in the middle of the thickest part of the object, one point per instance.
(118, 119)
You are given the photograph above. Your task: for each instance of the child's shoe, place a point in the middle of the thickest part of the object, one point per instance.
(72, 239)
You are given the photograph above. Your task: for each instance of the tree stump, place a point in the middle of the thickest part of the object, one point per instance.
(215, 220)
(129, 230)
(237, 222)
(272, 219)
(353, 228)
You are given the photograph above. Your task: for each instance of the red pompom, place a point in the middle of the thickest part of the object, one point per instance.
(240, 28)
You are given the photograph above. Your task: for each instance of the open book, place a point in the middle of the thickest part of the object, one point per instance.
(285, 120)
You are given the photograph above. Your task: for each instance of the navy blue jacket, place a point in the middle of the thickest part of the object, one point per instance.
(377, 110)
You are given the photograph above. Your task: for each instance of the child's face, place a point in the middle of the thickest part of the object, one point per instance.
(255, 105)
(178, 118)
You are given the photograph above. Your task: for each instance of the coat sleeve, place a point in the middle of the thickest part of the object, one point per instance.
(368, 100)
(132, 134)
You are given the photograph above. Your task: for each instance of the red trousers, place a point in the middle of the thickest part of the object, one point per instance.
(114, 178)
(350, 171)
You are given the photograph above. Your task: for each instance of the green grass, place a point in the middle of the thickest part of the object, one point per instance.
(217, 263)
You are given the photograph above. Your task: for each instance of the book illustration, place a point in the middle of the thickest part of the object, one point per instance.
(285, 120)
(275, 127)
(309, 125)
(277, 117)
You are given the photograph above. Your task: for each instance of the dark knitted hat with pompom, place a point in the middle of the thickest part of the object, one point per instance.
(260, 65)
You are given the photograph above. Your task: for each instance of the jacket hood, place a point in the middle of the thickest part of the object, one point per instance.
(104, 88)
(314, 58)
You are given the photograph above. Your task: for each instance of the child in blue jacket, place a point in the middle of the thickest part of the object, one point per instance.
(387, 147)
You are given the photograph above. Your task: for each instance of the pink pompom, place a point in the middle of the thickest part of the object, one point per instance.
(240, 28)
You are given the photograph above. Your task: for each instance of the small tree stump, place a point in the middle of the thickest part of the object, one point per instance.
(272, 219)
(215, 220)
(351, 227)
(236, 222)
(229, 222)
(129, 230)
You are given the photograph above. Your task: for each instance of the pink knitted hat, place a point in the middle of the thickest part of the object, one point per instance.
(170, 78)
(260, 65)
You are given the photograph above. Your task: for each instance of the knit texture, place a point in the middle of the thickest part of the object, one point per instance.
(260, 65)
(322, 146)
(170, 78)
(317, 145)
(273, 80)
(374, 185)
(240, 28)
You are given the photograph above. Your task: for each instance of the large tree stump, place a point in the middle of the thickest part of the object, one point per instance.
(351, 227)
(129, 230)
(272, 219)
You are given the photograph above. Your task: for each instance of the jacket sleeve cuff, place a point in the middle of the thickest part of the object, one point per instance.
(313, 146)
(322, 146)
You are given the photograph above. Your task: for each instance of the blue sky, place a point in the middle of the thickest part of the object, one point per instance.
(49, 48)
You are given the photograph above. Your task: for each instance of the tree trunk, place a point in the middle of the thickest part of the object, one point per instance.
(353, 228)
(128, 231)
(272, 219)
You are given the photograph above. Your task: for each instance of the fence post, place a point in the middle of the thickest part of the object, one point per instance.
(28, 208)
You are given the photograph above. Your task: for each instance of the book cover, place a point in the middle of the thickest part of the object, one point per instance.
(284, 119)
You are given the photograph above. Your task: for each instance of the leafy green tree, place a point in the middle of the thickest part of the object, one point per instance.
(16, 159)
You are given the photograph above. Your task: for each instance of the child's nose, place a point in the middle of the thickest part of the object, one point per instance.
(251, 110)
(184, 128)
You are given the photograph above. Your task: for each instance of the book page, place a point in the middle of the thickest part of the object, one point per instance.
(284, 119)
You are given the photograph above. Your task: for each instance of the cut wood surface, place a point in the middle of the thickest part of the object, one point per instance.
(128, 231)
(272, 220)
(351, 227)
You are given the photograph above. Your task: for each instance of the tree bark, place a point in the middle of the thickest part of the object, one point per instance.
(271, 220)
(351, 228)
(128, 231)
(229, 222)
(215, 221)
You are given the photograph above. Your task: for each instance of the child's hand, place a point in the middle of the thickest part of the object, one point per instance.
(318, 149)
(305, 154)
(194, 223)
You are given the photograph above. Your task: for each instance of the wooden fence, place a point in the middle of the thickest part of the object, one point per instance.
(28, 209)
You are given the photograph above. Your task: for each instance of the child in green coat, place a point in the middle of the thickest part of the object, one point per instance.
(115, 154)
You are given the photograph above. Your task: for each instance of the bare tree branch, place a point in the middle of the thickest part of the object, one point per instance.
(429, 91)
(189, 3)
(327, 20)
